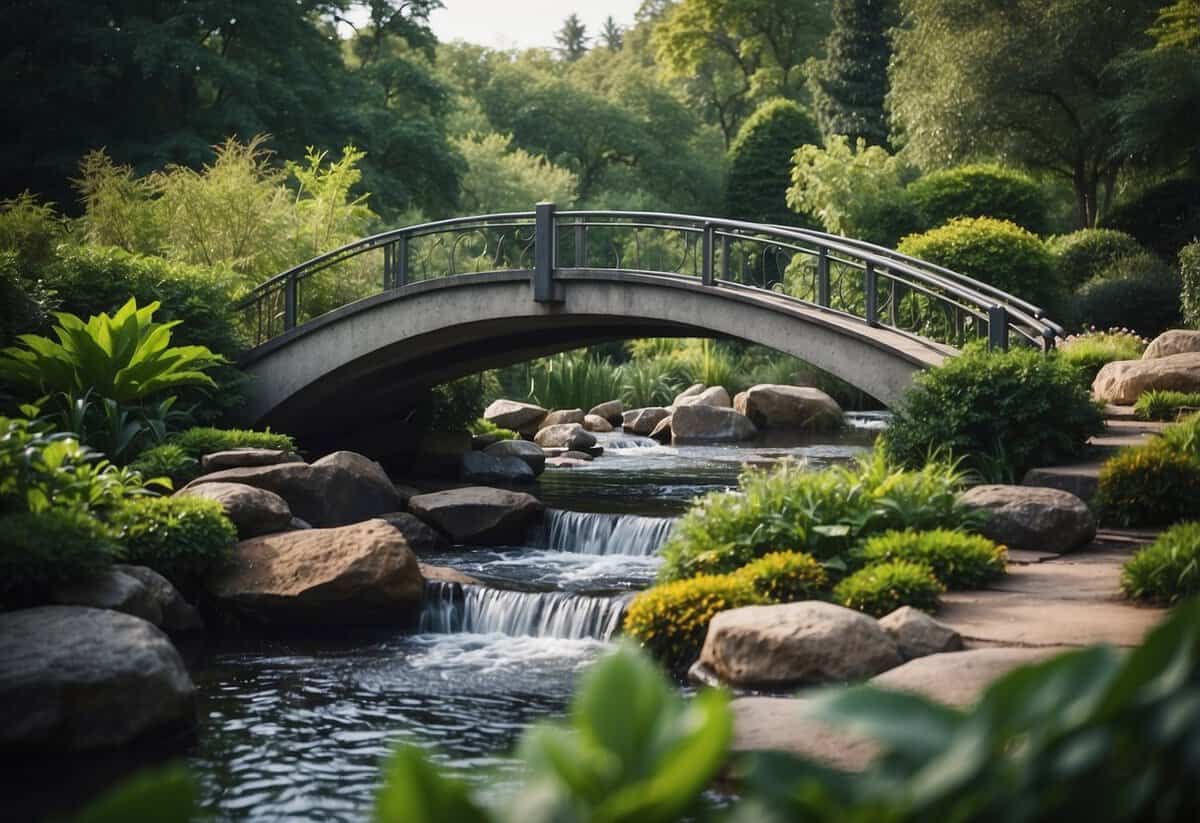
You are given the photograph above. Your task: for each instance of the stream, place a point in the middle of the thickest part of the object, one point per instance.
(298, 729)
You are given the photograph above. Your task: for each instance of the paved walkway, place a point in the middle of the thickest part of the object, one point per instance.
(1121, 429)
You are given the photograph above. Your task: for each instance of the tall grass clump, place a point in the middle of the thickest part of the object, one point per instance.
(1090, 351)
(1168, 570)
(575, 379)
(1166, 405)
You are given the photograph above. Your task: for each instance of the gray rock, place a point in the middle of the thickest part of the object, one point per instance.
(339, 489)
(799, 408)
(296, 524)
(74, 679)
(662, 432)
(612, 411)
(240, 458)
(1123, 381)
(111, 589)
(643, 421)
(1033, 517)
(917, 634)
(796, 644)
(525, 418)
(595, 423)
(178, 616)
(690, 391)
(254, 511)
(564, 462)
(715, 396)
(531, 453)
(422, 538)
(360, 574)
(559, 417)
(565, 435)
(1175, 341)
(440, 453)
(478, 467)
(959, 678)
(477, 514)
(711, 424)
(573, 455)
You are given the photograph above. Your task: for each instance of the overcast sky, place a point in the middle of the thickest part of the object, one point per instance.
(522, 23)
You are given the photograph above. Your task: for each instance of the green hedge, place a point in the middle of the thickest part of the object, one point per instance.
(1164, 218)
(1083, 254)
(785, 577)
(993, 251)
(979, 190)
(884, 587)
(181, 538)
(1140, 293)
(760, 163)
(1000, 412)
(1168, 570)
(41, 550)
(1154, 485)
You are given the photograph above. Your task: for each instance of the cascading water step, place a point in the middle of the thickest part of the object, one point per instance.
(451, 608)
(600, 533)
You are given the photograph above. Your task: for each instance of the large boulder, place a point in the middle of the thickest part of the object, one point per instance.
(917, 634)
(643, 421)
(360, 574)
(662, 431)
(612, 411)
(1123, 381)
(789, 407)
(710, 424)
(795, 644)
(1175, 341)
(560, 416)
(531, 453)
(254, 511)
(440, 453)
(595, 423)
(240, 458)
(525, 418)
(178, 615)
(422, 538)
(958, 679)
(712, 396)
(74, 678)
(136, 590)
(690, 391)
(340, 488)
(477, 514)
(565, 436)
(479, 467)
(1033, 517)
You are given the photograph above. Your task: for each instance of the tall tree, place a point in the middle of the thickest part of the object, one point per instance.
(572, 38)
(760, 162)
(850, 84)
(1027, 80)
(611, 34)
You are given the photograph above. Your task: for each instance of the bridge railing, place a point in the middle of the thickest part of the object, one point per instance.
(839, 275)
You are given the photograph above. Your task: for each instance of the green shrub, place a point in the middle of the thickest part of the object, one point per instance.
(652, 381)
(1140, 293)
(30, 230)
(455, 406)
(169, 460)
(1151, 485)
(1165, 405)
(181, 538)
(1183, 436)
(785, 577)
(760, 163)
(1083, 254)
(24, 303)
(993, 251)
(821, 513)
(1164, 218)
(1000, 412)
(41, 550)
(1189, 272)
(670, 620)
(201, 440)
(885, 587)
(1090, 351)
(481, 426)
(1168, 570)
(979, 190)
(958, 560)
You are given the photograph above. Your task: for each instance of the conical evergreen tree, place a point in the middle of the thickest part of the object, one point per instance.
(760, 163)
(850, 84)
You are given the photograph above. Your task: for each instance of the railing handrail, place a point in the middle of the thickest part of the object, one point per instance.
(1021, 316)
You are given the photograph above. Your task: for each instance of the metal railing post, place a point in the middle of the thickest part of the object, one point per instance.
(998, 328)
(400, 262)
(289, 303)
(871, 287)
(543, 254)
(726, 253)
(706, 256)
(823, 277)
(581, 243)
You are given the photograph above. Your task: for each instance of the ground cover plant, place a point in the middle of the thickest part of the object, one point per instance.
(1155, 484)
(883, 587)
(958, 560)
(181, 538)
(1168, 570)
(1166, 405)
(1091, 350)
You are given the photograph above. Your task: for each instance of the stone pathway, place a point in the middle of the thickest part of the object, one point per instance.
(1121, 429)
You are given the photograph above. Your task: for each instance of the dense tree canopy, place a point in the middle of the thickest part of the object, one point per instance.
(850, 84)
(759, 159)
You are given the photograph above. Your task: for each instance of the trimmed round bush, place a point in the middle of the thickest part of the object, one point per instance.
(1083, 254)
(1168, 570)
(998, 252)
(957, 559)
(41, 550)
(1001, 413)
(169, 460)
(671, 620)
(881, 589)
(201, 440)
(760, 162)
(1139, 292)
(181, 538)
(1151, 485)
(785, 577)
(1164, 218)
(979, 190)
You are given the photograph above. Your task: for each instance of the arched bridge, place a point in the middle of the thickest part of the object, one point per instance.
(353, 335)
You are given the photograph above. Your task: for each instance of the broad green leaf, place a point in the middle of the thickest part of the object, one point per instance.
(166, 795)
(415, 792)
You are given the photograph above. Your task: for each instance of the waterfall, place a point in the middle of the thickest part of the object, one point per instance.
(450, 608)
(594, 533)
(620, 440)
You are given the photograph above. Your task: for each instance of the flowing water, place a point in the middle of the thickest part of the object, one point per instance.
(296, 729)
